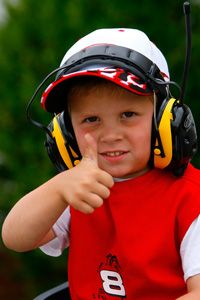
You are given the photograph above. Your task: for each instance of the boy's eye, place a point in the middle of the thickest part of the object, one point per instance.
(128, 114)
(90, 119)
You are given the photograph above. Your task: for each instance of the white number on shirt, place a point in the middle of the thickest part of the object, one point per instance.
(112, 283)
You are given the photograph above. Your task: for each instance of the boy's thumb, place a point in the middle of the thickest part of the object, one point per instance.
(90, 149)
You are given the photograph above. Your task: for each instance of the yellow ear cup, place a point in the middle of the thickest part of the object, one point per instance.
(164, 129)
(60, 141)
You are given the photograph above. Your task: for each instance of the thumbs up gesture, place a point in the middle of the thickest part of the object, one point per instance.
(90, 153)
(86, 185)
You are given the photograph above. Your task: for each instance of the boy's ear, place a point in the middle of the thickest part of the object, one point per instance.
(61, 146)
(176, 137)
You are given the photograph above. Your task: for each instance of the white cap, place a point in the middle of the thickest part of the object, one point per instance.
(133, 39)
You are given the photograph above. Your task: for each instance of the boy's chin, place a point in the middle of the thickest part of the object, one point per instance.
(127, 174)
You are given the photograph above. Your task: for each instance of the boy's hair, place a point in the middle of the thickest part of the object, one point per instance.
(81, 86)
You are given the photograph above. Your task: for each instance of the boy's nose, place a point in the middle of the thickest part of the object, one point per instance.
(111, 133)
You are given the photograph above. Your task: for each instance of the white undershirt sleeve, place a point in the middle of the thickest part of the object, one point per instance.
(61, 229)
(190, 250)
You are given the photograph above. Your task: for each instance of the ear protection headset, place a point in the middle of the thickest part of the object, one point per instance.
(174, 140)
(61, 144)
(174, 137)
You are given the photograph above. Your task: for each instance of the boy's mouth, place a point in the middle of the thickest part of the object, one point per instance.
(113, 153)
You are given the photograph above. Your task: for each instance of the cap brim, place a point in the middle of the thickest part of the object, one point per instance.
(54, 97)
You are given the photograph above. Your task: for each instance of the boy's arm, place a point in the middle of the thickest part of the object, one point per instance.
(29, 223)
(193, 286)
(84, 187)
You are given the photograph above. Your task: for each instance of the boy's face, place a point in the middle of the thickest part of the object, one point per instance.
(120, 122)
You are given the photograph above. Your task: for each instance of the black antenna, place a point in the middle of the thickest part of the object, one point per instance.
(186, 10)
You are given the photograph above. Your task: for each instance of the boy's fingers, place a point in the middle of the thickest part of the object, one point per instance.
(91, 155)
(90, 149)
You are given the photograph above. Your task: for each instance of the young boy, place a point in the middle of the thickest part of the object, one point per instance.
(132, 225)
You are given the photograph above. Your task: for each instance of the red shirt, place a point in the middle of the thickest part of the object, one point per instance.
(129, 247)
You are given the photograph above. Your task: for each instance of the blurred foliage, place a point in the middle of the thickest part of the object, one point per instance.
(33, 40)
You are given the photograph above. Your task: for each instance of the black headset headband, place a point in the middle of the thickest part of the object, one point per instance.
(113, 52)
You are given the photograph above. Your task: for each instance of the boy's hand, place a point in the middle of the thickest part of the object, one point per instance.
(86, 185)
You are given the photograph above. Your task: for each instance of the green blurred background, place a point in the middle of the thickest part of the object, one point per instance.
(34, 35)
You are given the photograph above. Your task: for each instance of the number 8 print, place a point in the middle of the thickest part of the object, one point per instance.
(112, 283)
